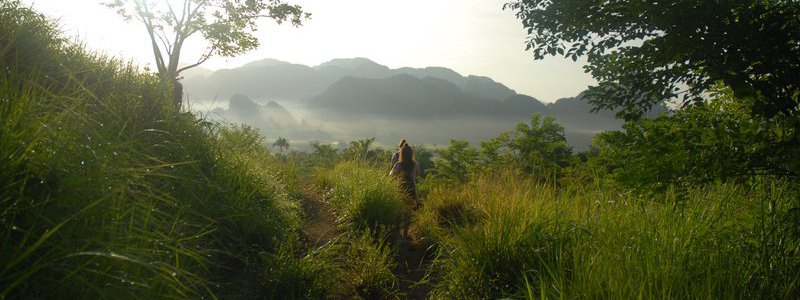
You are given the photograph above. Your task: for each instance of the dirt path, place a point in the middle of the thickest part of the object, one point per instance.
(413, 259)
(321, 227)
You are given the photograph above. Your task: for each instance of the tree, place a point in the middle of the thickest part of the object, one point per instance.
(359, 150)
(454, 164)
(643, 52)
(226, 25)
(538, 148)
(324, 151)
(718, 140)
(281, 143)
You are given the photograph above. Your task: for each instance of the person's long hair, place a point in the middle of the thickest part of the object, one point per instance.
(407, 159)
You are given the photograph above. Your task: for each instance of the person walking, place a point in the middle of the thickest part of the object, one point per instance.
(396, 155)
(406, 169)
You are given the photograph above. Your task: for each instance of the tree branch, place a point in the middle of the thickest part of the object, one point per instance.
(172, 13)
(167, 45)
(147, 20)
(200, 61)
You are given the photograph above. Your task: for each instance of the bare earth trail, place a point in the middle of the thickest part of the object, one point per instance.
(321, 227)
(413, 256)
(413, 260)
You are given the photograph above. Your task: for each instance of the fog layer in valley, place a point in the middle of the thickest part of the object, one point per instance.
(347, 99)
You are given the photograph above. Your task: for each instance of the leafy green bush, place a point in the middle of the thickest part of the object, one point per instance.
(715, 140)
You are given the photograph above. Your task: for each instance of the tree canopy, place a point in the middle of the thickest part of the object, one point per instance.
(226, 25)
(644, 52)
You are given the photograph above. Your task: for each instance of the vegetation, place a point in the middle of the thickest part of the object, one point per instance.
(645, 52)
(226, 25)
(506, 235)
(109, 192)
(364, 197)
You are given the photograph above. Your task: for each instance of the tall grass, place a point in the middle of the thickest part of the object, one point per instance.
(364, 197)
(525, 239)
(370, 207)
(107, 192)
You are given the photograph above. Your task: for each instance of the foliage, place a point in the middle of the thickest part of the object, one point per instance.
(518, 238)
(227, 26)
(424, 157)
(324, 155)
(644, 52)
(453, 164)
(282, 144)
(718, 140)
(360, 150)
(539, 148)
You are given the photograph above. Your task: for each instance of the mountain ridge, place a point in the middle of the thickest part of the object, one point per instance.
(297, 82)
(358, 97)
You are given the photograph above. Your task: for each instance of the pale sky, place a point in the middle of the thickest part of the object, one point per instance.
(469, 36)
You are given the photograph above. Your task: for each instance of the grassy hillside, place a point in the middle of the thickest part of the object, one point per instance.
(107, 192)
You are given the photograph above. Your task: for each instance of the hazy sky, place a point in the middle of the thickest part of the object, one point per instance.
(469, 36)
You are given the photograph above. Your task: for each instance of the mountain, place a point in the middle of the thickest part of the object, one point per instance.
(435, 72)
(242, 108)
(196, 72)
(264, 79)
(410, 97)
(278, 80)
(272, 119)
(580, 123)
(356, 97)
(355, 67)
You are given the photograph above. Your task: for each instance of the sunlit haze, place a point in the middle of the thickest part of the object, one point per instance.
(469, 36)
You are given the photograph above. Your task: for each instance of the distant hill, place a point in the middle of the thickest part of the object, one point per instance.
(356, 97)
(264, 79)
(406, 96)
(197, 72)
(271, 118)
(580, 123)
(242, 108)
(355, 67)
(274, 79)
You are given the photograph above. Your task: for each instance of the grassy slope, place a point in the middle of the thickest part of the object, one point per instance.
(107, 192)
